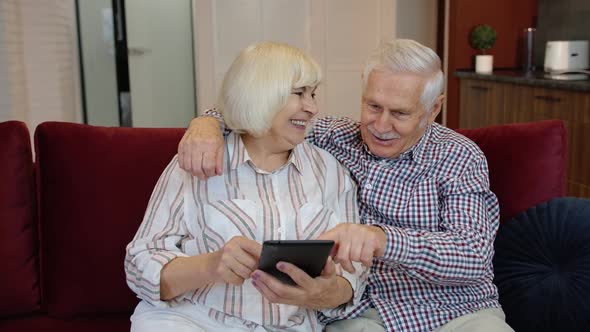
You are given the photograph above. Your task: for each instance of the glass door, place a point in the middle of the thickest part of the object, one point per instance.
(137, 62)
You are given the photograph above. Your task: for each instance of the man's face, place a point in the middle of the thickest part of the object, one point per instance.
(392, 117)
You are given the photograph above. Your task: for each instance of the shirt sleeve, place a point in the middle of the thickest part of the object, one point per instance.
(347, 211)
(219, 117)
(462, 251)
(158, 239)
(319, 135)
(321, 130)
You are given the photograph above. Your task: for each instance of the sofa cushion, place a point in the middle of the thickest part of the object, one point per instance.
(542, 267)
(19, 280)
(527, 162)
(94, 185)
(43, 323)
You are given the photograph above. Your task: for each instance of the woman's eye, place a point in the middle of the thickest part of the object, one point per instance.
(299, 93)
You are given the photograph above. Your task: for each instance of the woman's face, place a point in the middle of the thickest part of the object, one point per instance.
(289, 124)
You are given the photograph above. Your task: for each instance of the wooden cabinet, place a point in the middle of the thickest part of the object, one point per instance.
(518, 103)
(485, 103)
(574, 109)
(484, 99)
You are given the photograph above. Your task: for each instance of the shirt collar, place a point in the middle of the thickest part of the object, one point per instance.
(418, 150)
(238, 155)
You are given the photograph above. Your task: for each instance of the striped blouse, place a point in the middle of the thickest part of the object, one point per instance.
(185, 216)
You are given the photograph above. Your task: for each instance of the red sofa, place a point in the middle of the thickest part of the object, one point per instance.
(66, 218)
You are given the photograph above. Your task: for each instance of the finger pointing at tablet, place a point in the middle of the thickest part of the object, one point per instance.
(356, 243)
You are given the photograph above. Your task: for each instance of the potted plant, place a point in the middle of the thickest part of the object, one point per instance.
(482, 38)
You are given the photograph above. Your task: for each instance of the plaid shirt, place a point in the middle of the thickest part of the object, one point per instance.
(435, 205)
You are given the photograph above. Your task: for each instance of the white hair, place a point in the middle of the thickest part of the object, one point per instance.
(409, 56)
(258, 83)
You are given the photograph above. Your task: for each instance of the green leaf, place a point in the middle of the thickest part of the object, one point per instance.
(482, 37)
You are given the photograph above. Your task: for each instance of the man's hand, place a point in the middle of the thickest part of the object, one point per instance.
(200, 152)
(236, 261)
(356, 243)
(326, 291)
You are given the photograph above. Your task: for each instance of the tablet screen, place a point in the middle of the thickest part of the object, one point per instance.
(308, 255)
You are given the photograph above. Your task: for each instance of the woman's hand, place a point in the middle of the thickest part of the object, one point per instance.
(326, 291)
(236, 261)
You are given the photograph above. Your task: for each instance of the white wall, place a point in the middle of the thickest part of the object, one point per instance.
(40, 61)
(340, 34)
(5, 102)
(13, 104)
(39, 73)
(337, 33)
(352, 30)
(417, 19)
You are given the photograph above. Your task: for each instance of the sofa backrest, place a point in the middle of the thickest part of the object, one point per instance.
(19, 280)
(93, 187)
(527, 162)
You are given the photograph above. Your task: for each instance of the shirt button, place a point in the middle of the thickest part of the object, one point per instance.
(369, 186)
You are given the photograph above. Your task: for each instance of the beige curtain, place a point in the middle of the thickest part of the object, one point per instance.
(39, 70)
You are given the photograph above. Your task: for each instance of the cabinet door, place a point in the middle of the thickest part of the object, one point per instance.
(574, 109)
(579, 145)
(553, 104)
(576, 189)
(518, 103)
(481, 103)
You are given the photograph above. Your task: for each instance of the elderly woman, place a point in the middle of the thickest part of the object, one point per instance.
(193, 261)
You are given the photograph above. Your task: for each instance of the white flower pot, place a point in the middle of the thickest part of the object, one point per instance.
(484, 64)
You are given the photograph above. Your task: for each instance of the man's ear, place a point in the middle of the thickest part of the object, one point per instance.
(436, 108)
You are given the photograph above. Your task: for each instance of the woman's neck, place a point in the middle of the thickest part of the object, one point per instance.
(265, 153)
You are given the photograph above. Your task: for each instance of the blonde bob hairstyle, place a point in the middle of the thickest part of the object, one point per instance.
(258, 83)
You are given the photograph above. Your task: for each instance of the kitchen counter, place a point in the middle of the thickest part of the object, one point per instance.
(532, 79)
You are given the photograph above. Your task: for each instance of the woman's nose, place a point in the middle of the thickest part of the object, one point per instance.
(310, 105)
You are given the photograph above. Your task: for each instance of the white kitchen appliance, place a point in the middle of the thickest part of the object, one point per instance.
(567, 60)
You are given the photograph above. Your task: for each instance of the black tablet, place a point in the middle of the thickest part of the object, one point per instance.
(308, 255)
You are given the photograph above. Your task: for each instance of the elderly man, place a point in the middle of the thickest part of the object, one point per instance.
(429, 217)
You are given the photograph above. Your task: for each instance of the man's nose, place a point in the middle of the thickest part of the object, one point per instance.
(382, 123)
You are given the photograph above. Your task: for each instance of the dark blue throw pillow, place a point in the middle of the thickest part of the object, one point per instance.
(542, 267)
